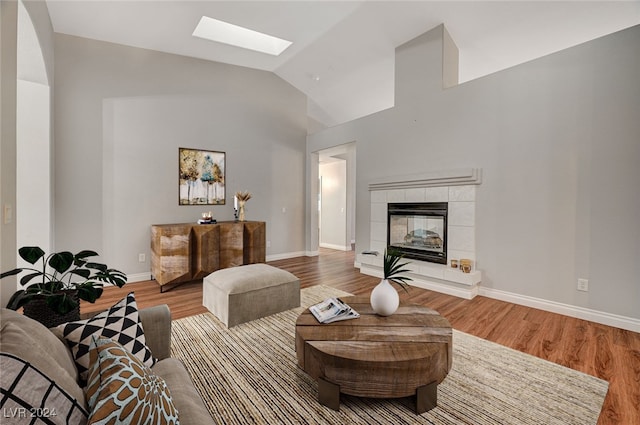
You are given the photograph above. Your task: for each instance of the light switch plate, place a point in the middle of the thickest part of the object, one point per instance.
(583, 285)
(7, 214)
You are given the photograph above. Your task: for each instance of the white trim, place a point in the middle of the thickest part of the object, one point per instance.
(623, 322)
(436, 178)
(467, 292)
(138, 277)
(312, 253)
(285, 255)
(333, 246)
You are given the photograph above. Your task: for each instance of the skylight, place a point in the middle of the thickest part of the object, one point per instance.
(224, 32)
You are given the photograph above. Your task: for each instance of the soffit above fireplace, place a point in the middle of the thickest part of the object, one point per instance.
(465, 176)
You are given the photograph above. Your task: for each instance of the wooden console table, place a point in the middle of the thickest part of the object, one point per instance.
(186, 252)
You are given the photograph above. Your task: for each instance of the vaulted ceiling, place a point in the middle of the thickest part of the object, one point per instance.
(342, 56)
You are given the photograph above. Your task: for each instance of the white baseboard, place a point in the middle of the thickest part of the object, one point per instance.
(604, 318)
(285, 255)
(336, 247)
(138, 277)
(466, 292)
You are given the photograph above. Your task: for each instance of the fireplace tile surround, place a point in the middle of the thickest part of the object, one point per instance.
(461, 199)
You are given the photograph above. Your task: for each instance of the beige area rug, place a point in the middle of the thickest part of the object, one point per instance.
(248, 375)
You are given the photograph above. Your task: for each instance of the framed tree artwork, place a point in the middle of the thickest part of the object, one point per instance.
(201, 177)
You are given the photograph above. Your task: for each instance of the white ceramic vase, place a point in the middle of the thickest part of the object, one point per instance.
(384, 298)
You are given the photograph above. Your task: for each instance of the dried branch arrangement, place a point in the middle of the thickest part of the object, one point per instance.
(243, 196)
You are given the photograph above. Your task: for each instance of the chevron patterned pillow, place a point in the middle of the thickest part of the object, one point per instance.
(120, 323)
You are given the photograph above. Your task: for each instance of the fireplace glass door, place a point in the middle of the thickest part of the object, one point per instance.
(418, 231)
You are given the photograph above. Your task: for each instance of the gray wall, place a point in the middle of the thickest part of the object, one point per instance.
(558, 140)
(121, 114)
(8, 83)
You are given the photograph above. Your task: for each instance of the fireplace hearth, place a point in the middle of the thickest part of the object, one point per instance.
(418, 230)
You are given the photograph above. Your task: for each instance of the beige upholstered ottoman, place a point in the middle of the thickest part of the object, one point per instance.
(240, 294)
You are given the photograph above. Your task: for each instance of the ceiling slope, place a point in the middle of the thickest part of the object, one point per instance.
(342, 55)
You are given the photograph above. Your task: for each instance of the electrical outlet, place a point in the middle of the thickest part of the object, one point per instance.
(142, 258)
(268, 244)
(583, 285)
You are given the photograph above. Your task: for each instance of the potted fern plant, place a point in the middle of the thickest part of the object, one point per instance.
(52, 291)
(384, 297)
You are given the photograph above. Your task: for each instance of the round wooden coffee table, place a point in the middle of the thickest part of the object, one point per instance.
(405, 354)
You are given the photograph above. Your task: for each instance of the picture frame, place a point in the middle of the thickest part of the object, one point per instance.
(201, 177)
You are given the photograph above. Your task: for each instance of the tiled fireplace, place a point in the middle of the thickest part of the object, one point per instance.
(457, 191)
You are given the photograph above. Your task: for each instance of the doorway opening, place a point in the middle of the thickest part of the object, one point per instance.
(336, 197)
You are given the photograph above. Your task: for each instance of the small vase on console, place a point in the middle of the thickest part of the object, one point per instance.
(241, 198)
(241, 210)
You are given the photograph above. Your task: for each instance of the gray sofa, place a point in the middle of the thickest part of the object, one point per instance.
(34, 343)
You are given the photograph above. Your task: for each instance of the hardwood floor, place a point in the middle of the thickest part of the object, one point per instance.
(609, 353)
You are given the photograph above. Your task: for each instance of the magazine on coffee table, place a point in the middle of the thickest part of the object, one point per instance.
(333, 310)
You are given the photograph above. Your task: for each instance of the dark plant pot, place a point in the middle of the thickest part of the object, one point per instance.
(38, 310)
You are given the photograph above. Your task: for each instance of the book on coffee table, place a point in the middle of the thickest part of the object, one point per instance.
(333, 310)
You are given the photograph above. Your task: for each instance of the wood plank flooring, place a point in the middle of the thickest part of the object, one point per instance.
(609, 353)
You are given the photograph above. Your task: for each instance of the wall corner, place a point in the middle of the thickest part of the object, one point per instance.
(450, 60)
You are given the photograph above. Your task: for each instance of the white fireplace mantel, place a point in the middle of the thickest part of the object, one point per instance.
(458, 189)
(466, 176)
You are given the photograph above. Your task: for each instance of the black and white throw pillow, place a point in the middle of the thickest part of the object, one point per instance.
(120, 323)
(31, 397)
